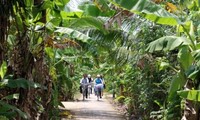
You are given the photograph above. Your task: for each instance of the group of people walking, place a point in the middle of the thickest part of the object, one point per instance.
(92, 84)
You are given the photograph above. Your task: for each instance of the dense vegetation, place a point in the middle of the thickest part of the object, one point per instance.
(148, 52)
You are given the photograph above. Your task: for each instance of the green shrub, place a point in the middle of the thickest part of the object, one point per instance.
(120, 99)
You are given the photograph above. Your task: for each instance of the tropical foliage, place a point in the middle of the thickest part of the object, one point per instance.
(147, 50)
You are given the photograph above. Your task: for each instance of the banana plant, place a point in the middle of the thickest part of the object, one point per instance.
(8, 110)
(185, 41)
(27, 47)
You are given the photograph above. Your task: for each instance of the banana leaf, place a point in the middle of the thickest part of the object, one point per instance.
(149, 10)
(3, 69)
(7, 109)
(10, 97)
(73, 33)
(167, 43)
(20, 83)
(193, 95)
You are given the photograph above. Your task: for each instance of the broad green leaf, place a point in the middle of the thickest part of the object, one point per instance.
(3, 110)
(185, 57)
(11, 39)
(19, 22)
(191, 32)
(50, 26)
(197, 2)
(69, 52)
(186, 26)
(192, 72)
(176, 84)
(8, 106)
(29, 3)
(192, 4)
(56, 21)
(193, 95)
(88, 22)
(99, 8)
(196, 55)
(39, 8)
(73, 34)
(3, 69)
(69, 58)
(73, 5)
(20, 83)
(167, 43)
(58, 55)
(70, 15)
(10, 97)
(45, 5)
(149, 10)
(60, 4)
(198, 30)
(102, 5)
(163, 65)
(50, 52)
(197, 46)
(90, 10)
(55, 17)
(53, 72)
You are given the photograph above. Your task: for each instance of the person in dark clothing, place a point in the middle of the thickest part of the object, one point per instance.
(91, 82)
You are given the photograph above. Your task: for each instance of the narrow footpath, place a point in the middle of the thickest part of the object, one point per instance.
(91, 109)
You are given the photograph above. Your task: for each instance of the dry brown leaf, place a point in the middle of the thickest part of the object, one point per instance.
(170, 7)
(66, 114)
(157, 1)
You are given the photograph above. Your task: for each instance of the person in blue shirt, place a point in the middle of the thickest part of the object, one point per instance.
(98, 83)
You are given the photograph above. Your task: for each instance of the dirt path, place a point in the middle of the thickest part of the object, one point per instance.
(91, 109)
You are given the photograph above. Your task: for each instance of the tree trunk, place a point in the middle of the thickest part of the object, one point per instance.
(22, 63)
(33, 68)
(4, 24)
(43, 72)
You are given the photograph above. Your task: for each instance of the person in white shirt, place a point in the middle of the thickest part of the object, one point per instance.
(84, 81)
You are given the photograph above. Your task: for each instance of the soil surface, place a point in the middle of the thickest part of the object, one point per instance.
(91, 109)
